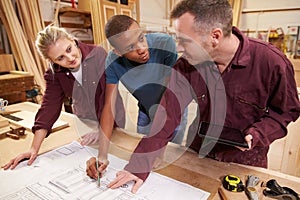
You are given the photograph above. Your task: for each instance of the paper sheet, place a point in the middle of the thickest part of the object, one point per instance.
(60, 174)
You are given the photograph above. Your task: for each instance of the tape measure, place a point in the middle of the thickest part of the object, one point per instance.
(233, 183)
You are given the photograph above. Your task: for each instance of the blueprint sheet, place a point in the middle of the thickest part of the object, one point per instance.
(60, 175)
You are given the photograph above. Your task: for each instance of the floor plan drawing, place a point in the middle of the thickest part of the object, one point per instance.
(60, 175)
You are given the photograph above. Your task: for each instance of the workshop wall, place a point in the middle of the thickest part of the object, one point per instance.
(260, 15)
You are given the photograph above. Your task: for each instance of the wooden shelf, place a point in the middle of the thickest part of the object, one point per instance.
(73, 12)
(72, 25)
(84, 15)
(269, 10)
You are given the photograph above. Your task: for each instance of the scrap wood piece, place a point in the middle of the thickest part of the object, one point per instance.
(3, 122)
(10, 130)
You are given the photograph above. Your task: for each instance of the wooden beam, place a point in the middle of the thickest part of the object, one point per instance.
(236, 10)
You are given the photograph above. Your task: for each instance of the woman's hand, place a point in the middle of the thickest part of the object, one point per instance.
(30, 156)
(90, 138)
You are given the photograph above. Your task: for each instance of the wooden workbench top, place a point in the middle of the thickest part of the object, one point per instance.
(204, 173)
(179, 162)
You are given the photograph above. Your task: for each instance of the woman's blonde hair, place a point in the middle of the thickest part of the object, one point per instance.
(49, 36)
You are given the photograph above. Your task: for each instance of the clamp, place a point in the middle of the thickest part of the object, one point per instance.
(13, 132)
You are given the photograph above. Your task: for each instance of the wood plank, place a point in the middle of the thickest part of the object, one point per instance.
(269, 10)
(291, 154)
(3, 122)
(71, 12)
(27, 121)
(97, 17)
(7, 63)
(19, 43)
(276, 154)
(237, 10)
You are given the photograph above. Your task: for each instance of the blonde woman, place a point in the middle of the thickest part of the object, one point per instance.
(76, 71)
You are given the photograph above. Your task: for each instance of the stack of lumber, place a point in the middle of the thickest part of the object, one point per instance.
(22, 37)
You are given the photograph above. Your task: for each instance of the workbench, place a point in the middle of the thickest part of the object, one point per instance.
(185, 166)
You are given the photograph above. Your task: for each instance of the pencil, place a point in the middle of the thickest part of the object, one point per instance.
(97, 165)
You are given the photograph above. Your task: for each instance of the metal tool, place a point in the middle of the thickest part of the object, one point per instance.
(274, 190)
(250, 190)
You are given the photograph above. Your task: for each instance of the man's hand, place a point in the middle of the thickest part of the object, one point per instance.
(30, 156)
(248, 139)
(90, 138)
(91, 169)
(124, 177)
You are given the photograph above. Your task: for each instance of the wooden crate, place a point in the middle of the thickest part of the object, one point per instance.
(14, 86)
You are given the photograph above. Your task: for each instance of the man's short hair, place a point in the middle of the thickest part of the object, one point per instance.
(209, 14)
(116, 25)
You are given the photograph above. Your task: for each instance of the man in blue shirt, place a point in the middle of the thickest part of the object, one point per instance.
(143, 64)
(143, 69)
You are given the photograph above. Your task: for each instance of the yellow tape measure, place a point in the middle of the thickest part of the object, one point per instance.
(233, 183)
